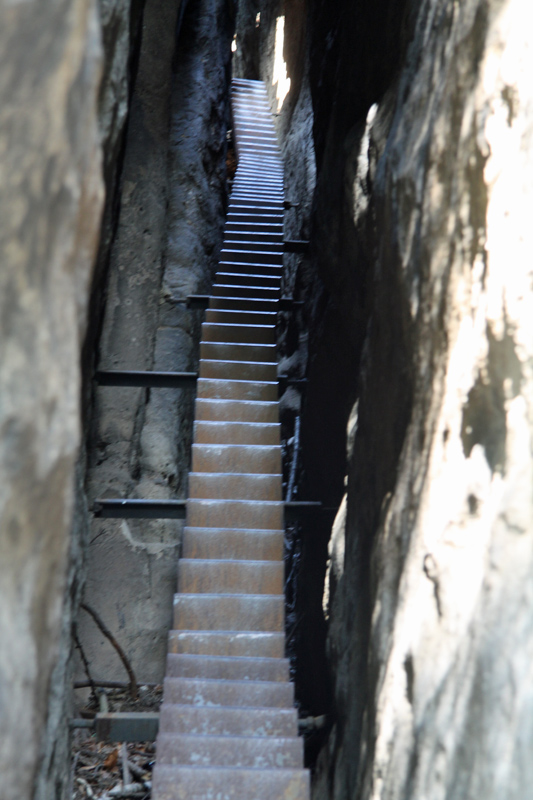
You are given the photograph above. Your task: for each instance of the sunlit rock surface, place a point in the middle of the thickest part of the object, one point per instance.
(50, 203)
(431, 632)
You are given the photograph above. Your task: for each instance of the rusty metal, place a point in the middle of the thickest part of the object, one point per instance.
(148, 379)
(130, 508)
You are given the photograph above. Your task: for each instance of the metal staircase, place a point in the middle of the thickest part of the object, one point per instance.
(228, 726)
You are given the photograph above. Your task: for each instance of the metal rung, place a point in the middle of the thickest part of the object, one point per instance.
(118, 508)
(148, 378)
(143, 726)
(296, 246)
(122, 727)
(201, 301)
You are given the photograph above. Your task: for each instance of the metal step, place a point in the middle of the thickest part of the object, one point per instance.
(259, 752)
(229, 576)
(222, 693)
(231, 667)
(236, 410)
(220, 485)
(229, 612)
(236, 458)
(206, 783)
(245, 543)
(234, 645)
(228, 721)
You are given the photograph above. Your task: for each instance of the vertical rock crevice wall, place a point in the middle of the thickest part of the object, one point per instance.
(87, 91)
(169, 230)
(418, 289)
(51, 196)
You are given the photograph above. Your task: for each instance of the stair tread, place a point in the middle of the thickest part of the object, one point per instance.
(229, 783)
(238, 720)
(227, 644)
(227, 667)
(259, 752)
(215, 693)
(232, 576)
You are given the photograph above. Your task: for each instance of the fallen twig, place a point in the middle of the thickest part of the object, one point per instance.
(89, 681)
(107, 633)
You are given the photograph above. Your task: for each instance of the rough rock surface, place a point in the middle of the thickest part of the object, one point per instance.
(418, 290)
(50, 203)
(168, 236)
(430, 636)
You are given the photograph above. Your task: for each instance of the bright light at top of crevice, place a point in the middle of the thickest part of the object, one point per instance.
(279, 77)
(234, 44)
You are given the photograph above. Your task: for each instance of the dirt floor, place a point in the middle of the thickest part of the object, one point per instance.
(107, 770)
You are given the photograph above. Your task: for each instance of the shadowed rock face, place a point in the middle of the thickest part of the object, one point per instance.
(168, 234)
(50, 203)
(442, 455)
(419, 307)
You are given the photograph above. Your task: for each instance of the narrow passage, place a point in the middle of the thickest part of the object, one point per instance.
(228, 726)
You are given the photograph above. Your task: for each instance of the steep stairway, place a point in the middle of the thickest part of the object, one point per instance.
(228, 726)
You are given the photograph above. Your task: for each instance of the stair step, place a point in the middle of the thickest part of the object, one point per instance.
(240, 486)
(213, 432)
(246, 290)
(271, 277)
(236, 458)
(259, 256)
(229, 612)
(232, 576)
(255, 206)
(232, 644)
(243, 232)
(265, 391)
(232, 351)
(244, 269)
(245, 304)
(253, 218)
(241, 283)
(259, 752)
(226, 693)
(232, 667)
(254, 244)
(247, 334)
(218, 783)
(229, 783)
(235, 543)
(206, 720)
(241, 317)
(236, 411)
(238, 370)
(235, 514)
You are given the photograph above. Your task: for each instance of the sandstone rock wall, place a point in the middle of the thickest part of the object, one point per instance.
(418, 289)
(439, 517)
(166, 246)
(50, 203)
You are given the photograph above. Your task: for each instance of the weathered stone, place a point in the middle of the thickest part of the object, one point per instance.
(168, 236)
(50, 203)
(431, 616)
(418, 289)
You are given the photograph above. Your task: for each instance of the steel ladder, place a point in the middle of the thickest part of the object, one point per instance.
(228, 726)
